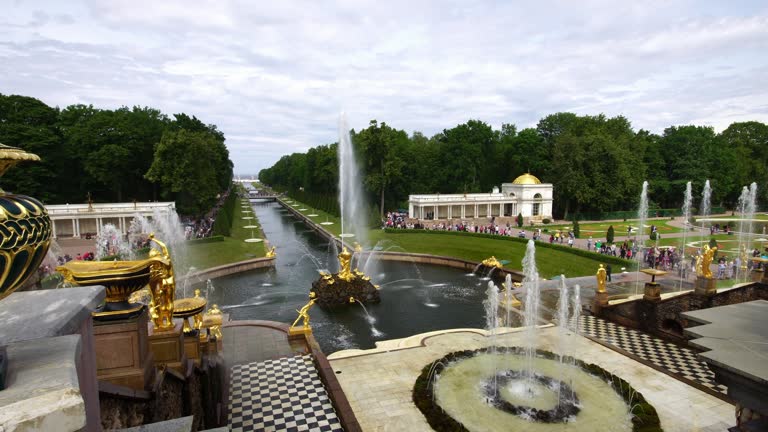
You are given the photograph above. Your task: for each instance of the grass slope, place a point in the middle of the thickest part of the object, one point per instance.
(233, 248)
(550, 262)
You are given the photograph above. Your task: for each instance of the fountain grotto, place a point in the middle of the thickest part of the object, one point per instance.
(526, 388)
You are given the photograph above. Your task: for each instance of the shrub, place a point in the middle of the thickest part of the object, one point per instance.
(654, 235)
(223, 223)
(609, 235)
(546, 221)
(519, 220)
(576, 229)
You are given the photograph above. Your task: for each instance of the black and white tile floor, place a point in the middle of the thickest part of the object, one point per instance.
(679, 361)
(280, 395)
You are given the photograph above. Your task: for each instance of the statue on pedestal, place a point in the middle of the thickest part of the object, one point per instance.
(602, 276)
(345, 263)
(706, 261)
(163, 287)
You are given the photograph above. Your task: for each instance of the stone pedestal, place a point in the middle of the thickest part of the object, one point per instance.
(705, 287)
(758, 275)
(193, 348)
(122, 352)
(600, 301)
(32, 324)
(299, 332)
(167, 347)
(652, 292)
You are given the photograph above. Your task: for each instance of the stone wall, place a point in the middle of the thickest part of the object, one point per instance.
(663, 318)
(232, 268)
(197, 393)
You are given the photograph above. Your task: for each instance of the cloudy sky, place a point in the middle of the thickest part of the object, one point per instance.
(274, 75)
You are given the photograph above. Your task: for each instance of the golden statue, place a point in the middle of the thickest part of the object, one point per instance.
(199, 317)
(706, 261)
(163, 287)
(358, 247)
(212, 320)
(492, 262)
(271, 253)
(345, 262)
(698, 265)
(602, 276)
(304, 312)
(743, 258)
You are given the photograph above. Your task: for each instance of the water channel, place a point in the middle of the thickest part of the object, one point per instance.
(414, 298)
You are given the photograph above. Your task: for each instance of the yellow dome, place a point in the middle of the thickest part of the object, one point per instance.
(526, 179)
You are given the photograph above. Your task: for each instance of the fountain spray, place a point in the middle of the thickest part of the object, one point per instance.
(687, 200)
(532, 294)
(351, 198)
(642, 214)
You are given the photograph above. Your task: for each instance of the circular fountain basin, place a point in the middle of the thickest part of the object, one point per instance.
(303, 209)
(253, 240)
(312, 215)
(326, 223)
(346, 235)
(247, 217)
(562, 396)
(251, 226)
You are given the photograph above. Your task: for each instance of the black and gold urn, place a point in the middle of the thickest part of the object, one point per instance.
(25, 229)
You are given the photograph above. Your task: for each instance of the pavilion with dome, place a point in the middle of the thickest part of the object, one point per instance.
(526, 195)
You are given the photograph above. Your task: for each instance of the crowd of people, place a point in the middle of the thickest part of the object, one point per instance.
(203, 227)
(665, 258)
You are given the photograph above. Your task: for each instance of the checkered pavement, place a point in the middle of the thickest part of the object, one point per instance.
(679, 361)
(280, 395)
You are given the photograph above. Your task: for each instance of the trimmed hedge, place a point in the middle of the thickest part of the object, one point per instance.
(211, 239)
(644, 415)
(608, 259)
(222, 226)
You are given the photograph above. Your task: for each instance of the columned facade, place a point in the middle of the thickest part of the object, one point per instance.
(81, 220)
(526, 195)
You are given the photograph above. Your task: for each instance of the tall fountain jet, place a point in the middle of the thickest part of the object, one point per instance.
(351, 198)
(687, 201)
(642, 214)
(532, 299)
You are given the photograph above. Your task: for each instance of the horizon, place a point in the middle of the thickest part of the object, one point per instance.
(274, 80)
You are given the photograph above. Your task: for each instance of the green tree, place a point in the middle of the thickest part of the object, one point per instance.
(465, 153)
(183, 165)
(382, 147)
(519, 220)
(745, 144)
(609, 236)
(29, 124)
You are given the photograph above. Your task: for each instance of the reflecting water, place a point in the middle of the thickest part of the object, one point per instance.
(414, 300)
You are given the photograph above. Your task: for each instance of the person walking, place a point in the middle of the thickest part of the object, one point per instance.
(608, 272)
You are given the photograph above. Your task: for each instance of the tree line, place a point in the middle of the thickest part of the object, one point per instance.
(596, 163)
(116, 155)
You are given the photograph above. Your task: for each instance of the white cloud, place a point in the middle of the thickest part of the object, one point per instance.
(274, 78)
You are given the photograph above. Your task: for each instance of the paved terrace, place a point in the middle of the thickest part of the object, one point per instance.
(379, 382)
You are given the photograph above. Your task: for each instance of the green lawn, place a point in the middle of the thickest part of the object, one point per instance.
(728, 244)
(599, 229)
(550, 262)
(233, 248)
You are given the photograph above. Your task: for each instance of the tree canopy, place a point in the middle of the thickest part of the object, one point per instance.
(596, 163)
(109, 153)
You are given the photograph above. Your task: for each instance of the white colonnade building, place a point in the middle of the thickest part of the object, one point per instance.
(526, 195)
(81, 220)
